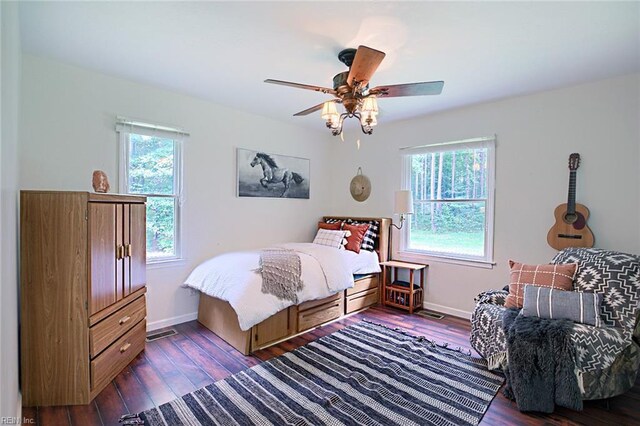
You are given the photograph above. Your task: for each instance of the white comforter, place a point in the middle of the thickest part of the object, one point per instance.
(233, 277)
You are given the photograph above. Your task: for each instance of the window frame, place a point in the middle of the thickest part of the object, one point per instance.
(125, 128)
(401, 249)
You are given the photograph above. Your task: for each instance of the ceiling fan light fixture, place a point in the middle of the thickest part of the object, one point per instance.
(369, 104)
(368, 119)
(351, 90)
(330, 114)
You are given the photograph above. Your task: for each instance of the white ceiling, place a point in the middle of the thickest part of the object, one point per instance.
(223, 51)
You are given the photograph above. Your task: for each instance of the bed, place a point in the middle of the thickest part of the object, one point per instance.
(219, 316)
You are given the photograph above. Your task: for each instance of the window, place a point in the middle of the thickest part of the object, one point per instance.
(151, 165)
(452, 186)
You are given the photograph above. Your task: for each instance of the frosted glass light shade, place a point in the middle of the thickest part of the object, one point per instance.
(370, 104)
(404, 202)
(329, 111)
(371, 116)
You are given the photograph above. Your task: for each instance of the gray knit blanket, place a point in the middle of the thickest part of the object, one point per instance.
(281, 273)
(541, 367)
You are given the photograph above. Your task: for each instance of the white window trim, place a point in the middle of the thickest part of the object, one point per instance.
(400, 251)
(124, 127)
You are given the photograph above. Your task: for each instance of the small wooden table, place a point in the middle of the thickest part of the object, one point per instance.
(401, 294)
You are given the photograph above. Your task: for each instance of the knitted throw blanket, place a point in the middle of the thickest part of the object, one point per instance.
(281, 273)
(541, 363)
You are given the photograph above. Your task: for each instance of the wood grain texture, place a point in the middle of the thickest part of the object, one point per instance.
(94, 319)
(53, 276)
(67, 273)
(363, 285)
(361, 300)
(138, 241)
(147, 379)
(104, 272)
(563, 228)
(274, 328)
(108, 364)
(219, 317)
(320, 314)
(111, 328)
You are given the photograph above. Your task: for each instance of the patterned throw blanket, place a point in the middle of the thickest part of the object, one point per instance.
(281, 273)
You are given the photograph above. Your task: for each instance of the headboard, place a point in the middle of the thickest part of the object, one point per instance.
(382, 245)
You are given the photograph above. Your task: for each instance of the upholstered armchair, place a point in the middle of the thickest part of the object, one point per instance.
(608, 357)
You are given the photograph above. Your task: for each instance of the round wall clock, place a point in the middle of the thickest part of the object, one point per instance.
(360, 187)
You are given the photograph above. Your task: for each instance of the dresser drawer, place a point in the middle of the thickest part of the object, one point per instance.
(108, 330)
(361, 300)
(109, 363)
(363, 284)
(320, 314)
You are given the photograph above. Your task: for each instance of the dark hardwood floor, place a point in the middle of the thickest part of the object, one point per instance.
(173, 366)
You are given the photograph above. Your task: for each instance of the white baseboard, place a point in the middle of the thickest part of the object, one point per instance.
(154, 325)
(447, 310)
(19, 407)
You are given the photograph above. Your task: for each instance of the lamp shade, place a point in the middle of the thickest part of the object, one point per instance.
(329, 110)
(404, 202)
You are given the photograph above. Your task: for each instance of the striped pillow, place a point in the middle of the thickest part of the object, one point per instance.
(577, 306)
(556, 276)
(335, 239)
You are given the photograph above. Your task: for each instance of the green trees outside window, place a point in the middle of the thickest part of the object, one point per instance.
(450, 199)
(152, 172)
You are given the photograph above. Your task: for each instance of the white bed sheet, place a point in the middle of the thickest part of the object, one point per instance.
(232, 277)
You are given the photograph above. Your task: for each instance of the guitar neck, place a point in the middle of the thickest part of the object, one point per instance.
(571, 199)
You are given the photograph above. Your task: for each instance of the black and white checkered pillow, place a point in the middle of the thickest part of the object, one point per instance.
(372, 234)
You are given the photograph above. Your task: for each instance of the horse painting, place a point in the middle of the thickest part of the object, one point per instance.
(272, 174)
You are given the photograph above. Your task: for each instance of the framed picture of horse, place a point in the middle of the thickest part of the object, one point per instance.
(271, 175)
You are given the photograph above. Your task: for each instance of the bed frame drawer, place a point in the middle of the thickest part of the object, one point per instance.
(108, 330)
(313, 303)
(363, 285)
(109, 363)
(361, 300)
(313, 317)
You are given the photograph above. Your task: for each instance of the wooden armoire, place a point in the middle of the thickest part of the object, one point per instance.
(82, 292)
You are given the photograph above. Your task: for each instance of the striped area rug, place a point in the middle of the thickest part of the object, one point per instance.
(364, 374)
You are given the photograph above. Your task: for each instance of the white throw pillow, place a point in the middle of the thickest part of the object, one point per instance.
(326, 237)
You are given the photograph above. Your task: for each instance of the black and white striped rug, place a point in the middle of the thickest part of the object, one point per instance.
(364, 374)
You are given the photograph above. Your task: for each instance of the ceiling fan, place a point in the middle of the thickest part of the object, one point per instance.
(351, 89)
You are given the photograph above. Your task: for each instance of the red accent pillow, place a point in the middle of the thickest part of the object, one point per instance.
(354, 241)
(330, 226)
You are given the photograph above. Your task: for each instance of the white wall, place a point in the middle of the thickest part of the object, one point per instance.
(535, 135)
(10, 86)
(68, 117)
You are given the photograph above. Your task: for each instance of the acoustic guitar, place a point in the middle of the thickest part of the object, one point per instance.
(570, 229)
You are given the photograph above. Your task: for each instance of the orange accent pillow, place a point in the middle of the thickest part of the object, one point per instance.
(354, 241)
(558, 277)
(335, 226)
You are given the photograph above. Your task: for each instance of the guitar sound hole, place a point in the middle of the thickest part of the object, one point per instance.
(570, 218)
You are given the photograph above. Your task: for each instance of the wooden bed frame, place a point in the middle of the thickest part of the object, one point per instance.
(218, 315)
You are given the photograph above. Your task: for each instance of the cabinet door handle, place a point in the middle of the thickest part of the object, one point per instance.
(119, 252)
(128, 250)
(124, 319)
(124, 347)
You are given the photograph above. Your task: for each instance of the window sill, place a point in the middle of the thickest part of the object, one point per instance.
(166, 263)
(409, 256)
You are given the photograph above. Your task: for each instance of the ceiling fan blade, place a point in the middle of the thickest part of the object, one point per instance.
(409, 89)
(302, 86)
(315, 108)
(309, 110)
(365, 63)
